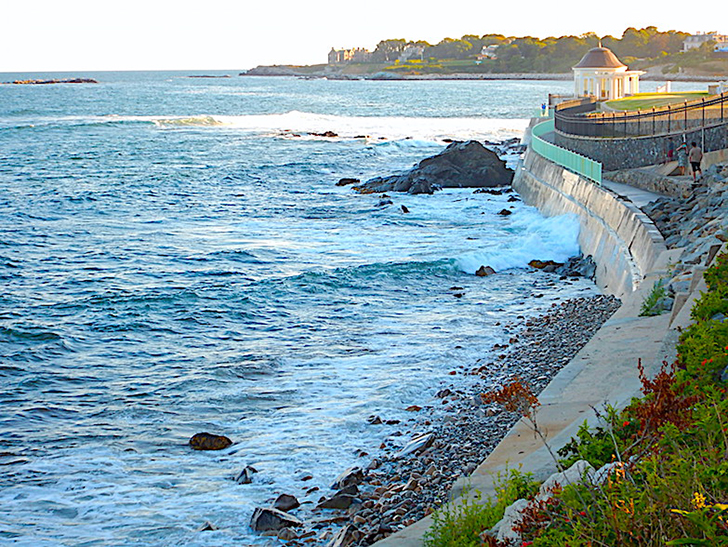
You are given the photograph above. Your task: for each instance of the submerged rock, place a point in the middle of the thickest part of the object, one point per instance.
(208, 441)
(461, 165)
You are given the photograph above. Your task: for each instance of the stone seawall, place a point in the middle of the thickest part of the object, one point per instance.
(622, 240)
(634, 152)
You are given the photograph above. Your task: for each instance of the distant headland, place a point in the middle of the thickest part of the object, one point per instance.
(53, 81)
(672, 55)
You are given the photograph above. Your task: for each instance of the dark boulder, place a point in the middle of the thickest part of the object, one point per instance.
(286, 502)
(208, 441)
(353, 475)
(461, 165)
(267, 518)
(484, 271)
(545, 265)
(346, 181)
(246, 475)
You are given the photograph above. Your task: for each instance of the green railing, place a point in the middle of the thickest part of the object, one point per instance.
(572, 161)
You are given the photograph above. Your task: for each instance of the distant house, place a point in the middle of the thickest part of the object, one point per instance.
(411, 51)
(354, 55)
(600, 74)
(697, 40)
(488, 52)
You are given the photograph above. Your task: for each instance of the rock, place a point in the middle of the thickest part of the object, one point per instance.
(404, 209)
(287, 534)
(329, 134)
(208, 441)
(484, 271)
(546, 266)
(353, 475)
(512, 516)
(418, 444)
(461, 165)
(348, 535)
(351, 490)
(346, 181)
(207, 527)
(578, 266)
(268, 518)
(286, 502)
(578, 472)
(384, 202)
(246, 475)
(505, 212)
(374, 420)
(338, 501)
(413, 408)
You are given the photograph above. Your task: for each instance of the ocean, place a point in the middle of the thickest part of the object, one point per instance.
(175, 257)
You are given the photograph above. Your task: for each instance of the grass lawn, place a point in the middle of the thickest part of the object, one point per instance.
(642, 101)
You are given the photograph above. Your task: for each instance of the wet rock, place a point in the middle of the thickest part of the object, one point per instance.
(287, 534)
(208, 441)
(207, 527)
(404, 209)
(246, 475)
(505, 212)
(338, 501)
(484, 271)
(460, 165)
(545, 265)
(353, 475)
(267, 518)
(347, 181)
(348, 535)
(417, 444)
(374, 420)
(286, 502)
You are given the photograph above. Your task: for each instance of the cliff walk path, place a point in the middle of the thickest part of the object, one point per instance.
(604, 371)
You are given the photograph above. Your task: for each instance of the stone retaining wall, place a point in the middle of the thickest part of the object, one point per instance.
(634, 152)
(622, 240)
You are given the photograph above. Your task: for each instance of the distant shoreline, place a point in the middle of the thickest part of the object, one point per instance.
(283, 70)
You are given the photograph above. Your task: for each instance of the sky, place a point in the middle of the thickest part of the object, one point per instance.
(88, 35)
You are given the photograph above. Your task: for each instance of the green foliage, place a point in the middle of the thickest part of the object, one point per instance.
(602, 444)
(459, 525)
(652, 305)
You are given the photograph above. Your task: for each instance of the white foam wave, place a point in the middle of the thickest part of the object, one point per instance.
(535, 237)
(297, 124)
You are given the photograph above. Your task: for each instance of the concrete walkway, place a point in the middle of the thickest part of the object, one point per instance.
(629, 193)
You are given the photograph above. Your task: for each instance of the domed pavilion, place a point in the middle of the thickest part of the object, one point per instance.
(600, 74)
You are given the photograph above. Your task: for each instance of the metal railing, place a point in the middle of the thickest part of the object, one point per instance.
(667, 120)
(572, 161)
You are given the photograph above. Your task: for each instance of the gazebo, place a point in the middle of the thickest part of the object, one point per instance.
(600, 74)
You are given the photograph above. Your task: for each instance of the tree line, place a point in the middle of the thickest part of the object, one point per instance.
(529, 54)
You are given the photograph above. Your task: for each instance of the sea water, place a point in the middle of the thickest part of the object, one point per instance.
(175, 257)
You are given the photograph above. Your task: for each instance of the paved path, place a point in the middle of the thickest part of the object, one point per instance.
(629, 193)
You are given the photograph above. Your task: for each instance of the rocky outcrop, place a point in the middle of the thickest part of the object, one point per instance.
(461, 165)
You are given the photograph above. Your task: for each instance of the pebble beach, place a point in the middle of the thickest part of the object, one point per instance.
(450, 434)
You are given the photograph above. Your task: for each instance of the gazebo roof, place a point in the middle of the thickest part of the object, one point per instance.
(600, 57)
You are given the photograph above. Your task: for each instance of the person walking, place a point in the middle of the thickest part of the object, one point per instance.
(682, 157)
(695, 157)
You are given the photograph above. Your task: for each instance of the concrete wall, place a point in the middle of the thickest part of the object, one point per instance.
(639, 151)
(622, 240)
